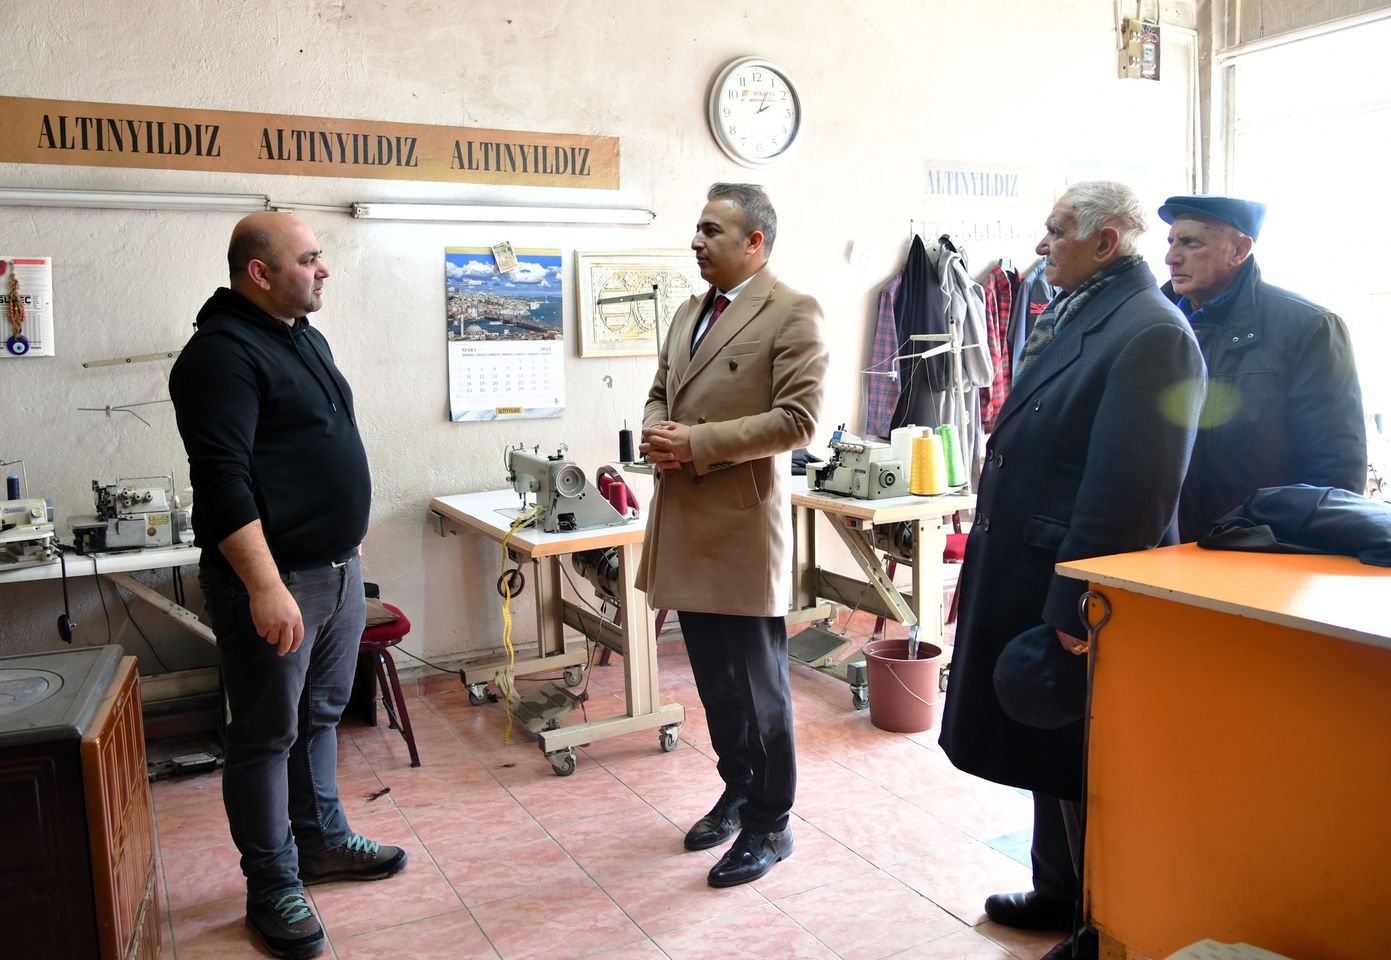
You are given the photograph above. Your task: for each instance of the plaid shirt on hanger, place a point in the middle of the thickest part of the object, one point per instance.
(999, 299)
(882, 394)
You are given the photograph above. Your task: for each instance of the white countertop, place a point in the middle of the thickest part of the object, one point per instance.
(85, 565)
(886, 510)
(482, 512)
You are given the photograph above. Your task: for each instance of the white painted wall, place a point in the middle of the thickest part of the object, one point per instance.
(886, 86)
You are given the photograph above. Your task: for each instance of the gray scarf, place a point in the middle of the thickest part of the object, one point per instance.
(1064, 307)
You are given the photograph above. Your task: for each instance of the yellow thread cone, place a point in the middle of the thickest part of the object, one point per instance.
(929, 476)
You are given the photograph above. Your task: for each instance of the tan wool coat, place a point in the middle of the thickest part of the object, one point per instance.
(720, 528)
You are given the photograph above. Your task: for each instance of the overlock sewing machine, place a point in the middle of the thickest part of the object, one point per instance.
(132, 514)
(566, 499)
(866, 469)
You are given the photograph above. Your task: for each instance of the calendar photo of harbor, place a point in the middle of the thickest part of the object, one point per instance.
(485, 304)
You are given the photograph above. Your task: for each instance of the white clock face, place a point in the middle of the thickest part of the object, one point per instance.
(754, 111)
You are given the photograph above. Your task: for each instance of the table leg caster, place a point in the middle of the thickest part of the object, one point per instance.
(668, 737)
(479, 694)
(562, 762)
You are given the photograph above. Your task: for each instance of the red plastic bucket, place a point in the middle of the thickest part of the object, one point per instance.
(903, 693)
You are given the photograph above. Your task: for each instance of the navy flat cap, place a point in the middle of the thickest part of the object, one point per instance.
(1246, 215)
(1038, 683)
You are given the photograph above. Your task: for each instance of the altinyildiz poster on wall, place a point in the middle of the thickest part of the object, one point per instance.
(504, 334)
(26, 306)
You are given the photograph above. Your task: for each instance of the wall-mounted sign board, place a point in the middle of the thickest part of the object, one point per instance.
(226, 141)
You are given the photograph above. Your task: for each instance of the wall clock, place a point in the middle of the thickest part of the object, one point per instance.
(755, 112)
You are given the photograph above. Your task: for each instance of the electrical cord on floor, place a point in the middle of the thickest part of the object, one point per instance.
(427, 662)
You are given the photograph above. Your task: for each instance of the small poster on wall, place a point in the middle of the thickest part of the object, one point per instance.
(26, 306)
(504, 336)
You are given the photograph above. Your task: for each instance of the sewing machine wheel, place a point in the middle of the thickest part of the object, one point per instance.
(511, 583)
(562, 762)
(569, 481)
(859, 696)
(574, 676)
(668, 737)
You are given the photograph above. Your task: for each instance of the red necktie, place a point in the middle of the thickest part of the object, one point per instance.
(720, 303)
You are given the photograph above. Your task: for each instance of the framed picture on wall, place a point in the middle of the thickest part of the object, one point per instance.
(628, 329)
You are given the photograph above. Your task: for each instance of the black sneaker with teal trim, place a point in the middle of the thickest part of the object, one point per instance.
(357, 859)
(287, 926)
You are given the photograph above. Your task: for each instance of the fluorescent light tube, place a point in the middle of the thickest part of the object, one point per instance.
(480, 213)
(132, 199)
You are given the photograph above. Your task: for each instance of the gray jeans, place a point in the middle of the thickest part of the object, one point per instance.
(280, 783)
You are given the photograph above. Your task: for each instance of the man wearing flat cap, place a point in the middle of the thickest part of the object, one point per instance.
(1283, 402)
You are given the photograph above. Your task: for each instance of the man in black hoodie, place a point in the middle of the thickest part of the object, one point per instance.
(281, 500)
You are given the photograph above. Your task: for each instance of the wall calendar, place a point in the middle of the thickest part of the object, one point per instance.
(504, 335)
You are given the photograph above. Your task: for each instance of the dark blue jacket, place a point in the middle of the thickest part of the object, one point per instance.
(1283, 402)
(1304, 519)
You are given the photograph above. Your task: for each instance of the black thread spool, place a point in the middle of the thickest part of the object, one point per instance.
(626, 453)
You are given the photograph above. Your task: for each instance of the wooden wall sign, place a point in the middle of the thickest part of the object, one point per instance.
(227, 141)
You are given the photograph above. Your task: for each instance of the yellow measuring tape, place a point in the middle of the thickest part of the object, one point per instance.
(506, 680)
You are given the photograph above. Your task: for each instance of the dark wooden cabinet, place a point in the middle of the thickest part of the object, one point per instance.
(77, 861)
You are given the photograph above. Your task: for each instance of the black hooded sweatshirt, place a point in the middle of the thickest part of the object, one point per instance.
(268, 424)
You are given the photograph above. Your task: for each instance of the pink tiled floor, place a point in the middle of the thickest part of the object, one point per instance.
(509, 861)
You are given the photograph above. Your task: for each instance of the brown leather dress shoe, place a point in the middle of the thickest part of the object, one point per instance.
(751, 856)
(718, 825)
(1029, 911)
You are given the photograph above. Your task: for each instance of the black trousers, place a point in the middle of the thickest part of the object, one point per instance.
(1056, 850)
(740, 667)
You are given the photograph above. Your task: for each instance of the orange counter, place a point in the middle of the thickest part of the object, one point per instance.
(1240, 756)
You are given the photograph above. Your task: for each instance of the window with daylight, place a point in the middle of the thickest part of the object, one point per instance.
(1310, 137)
(1312, 142)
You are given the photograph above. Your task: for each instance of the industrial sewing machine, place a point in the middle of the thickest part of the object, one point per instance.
(567, 500)
(26, 532)
(866, 469)
(26, 523)
(132, 515)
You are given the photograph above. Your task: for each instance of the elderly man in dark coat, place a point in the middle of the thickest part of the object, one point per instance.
(1284, 404)
(1087, 459)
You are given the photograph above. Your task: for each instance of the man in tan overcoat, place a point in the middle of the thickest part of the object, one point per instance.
(739, 386)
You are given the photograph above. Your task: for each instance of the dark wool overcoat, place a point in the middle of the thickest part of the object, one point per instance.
(1087, 459)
